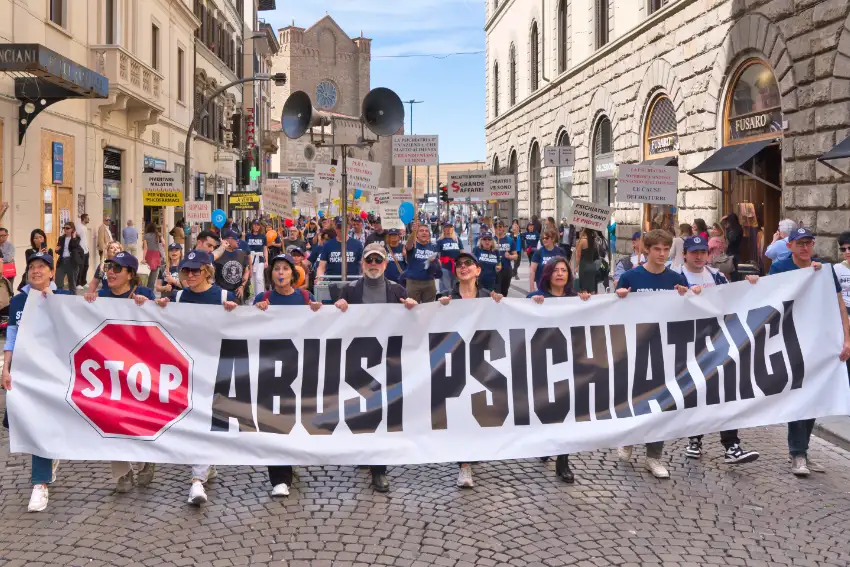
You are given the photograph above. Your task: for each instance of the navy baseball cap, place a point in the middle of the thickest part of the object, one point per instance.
(256, 221)
(695, 243)
(486, 235)
(338, 221)
(800, 234)
(393, 232)
(174, 246)
(43, 256)
(294, 250)
(286, 258)
(465, 254)
(230, 234)
(636, 236)
(447, 223)
(196, 259)
(125, 260)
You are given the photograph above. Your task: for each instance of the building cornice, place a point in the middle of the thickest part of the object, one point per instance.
(187, 13)
(497, 14)
(601, 53)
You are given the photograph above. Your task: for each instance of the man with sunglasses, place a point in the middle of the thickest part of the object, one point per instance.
(233, 268)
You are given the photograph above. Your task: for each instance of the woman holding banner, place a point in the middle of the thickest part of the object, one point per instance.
(543, 256)
(397, 255)
(467, 270)
(557, 281)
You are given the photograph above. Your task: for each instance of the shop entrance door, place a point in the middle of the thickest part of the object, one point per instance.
(758, 206)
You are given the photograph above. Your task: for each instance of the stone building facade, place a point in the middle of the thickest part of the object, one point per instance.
(744, 94)
(335, 71)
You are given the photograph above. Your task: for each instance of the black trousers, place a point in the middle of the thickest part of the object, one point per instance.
(503, 281)
(282, 474)
(67, 269)
(727, 438)
(84, 271)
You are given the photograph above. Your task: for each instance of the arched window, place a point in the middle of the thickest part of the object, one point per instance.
(601, 15)
(535, 58)
(660, 147)
(564, 181)
(513, 167)
(495, 165)
(754, 107)
(512, 76)
(496, 88)
(603, 163)
(535, 165)
(563, 42)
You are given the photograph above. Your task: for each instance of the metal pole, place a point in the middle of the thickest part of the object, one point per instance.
(344, 204)
(438, 193)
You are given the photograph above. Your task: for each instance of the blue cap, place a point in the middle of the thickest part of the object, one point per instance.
(230, 234)
(486, 235)
(695, 243)
(294, 249)
(174, 246)
(44, 256)
(285, 258)
(636, 236)
(447, 223)
(196, 259)
(393, 232)
(800, 234)
(256, 221)
(125, 260)
(465, 254)
(338, 221)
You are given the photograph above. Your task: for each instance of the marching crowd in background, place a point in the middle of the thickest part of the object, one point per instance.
(271, 264)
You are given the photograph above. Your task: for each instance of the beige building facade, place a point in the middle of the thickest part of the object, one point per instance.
(746, 98)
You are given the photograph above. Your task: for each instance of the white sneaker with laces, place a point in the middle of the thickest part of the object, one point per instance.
(197, 494)
(625, 453)
(38, 498)
(464, 477)
(694, 448)
(280, 490)
(212, 474)
(798, 466)
(656, 468)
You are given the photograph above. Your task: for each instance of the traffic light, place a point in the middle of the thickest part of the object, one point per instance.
(444, 193)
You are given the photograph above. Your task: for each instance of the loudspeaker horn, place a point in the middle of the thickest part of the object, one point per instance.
(299, 115)
(382, 111)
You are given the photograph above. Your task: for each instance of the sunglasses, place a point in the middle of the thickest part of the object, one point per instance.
(68, 228)
(113, 267)
(190, 271)
(465, 263)
(373, 259)
(844, 248)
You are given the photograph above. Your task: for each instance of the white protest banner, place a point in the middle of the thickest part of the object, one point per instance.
(502, 187)
(415, 150)
(389, 217)
(305, 201)
(392, 196)
(474, 183)
(653, 184)
(470, 381)
(559, 156)
(277, 197)
(197, 211)
(327, 180)
(362, 174)
(161, 189)
(590, 215)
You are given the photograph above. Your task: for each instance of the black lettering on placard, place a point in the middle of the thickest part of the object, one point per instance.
(368, 420)
(742, 343)
(485, 414)
(445, 385)
(519, 377)
(589, 370)
(711, 356)
(395, 392)
(650, 349)
(680, 334)
(757, 320)
(544, 340)
(792, 346)
(270, 385)
(314, 422)
(620, 352)
(232, 369)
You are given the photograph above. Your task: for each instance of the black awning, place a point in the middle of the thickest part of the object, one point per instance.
(730, 158)
(842, 150)
(669, 160)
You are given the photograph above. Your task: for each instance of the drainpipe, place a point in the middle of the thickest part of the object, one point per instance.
(543, 40)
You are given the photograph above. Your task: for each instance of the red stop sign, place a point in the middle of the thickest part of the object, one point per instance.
(130, 379)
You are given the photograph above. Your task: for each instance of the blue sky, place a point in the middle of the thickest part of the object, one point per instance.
(452, 88)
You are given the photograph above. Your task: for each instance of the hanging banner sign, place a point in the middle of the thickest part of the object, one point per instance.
(470, 381)
(653, 184)
(363, 174)
(474, 183)
(327, 180)
(502, 187)
(196, 211)
(244, 201)
(277, 197)
(590, 215)
(559, 156)
(162, 189)
(415, 150)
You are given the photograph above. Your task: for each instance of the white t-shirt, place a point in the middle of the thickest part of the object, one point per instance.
(842, 272)
(703, 278)
(83, 233)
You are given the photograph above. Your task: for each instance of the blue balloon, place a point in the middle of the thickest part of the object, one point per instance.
(406, 212)
(358, 193)
(219, 217)
(321, 213)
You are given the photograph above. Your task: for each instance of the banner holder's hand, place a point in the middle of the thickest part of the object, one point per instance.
(445, 300)
(162, 301)
(7, 381)
(538, 299)
(315, 306)
(623, 292)
(140, 300)
(262, 306)
(342, 305)
(91, 297)
(817, 266)
(682, 289)
(230, 306)
(753, 279)
(697, 289)
(584, 295)
(409, 303)
(845, 351)
(497, 297)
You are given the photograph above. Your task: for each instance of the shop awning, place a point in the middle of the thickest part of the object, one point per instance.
(669, 160)
(732, 158)
(840, 151)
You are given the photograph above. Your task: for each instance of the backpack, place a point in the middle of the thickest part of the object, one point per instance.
(304, 293)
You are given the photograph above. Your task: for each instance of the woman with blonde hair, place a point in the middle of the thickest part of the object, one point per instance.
(112, 249)
(489, 260)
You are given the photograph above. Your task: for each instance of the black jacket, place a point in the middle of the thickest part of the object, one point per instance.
(482, 292)
(74, 248)
(353, 293)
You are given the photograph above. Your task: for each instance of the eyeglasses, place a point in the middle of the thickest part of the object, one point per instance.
(805, 243)
(547, 238)
(190, 271)
(113, 267)
(68, 228)
(465, 263)
(373, 259)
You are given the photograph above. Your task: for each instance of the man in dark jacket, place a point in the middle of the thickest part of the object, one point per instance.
(374, 288)
(70, 253)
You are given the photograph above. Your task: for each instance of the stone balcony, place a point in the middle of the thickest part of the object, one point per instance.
(134, 86)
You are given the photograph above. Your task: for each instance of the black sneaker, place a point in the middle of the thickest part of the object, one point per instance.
(736, 455)
(694, 448)
(380, 482)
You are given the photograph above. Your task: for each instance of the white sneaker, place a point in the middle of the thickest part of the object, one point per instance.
(799, 466)
(197, 494)
(656, 468)
(125, 483)
(38, 499)
(280, 490)
(212, 474)
(464, 477)
(624, 453)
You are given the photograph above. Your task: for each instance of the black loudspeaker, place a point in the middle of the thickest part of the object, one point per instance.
(382, 111)
(299, 115)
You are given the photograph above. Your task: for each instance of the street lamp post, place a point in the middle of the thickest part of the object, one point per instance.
(411, 102)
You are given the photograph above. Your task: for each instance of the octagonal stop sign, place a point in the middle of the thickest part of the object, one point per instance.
(130, 379)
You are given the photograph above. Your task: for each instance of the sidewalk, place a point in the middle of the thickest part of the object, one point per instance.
(835, 429)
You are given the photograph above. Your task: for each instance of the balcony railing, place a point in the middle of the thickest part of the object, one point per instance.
(128, 73)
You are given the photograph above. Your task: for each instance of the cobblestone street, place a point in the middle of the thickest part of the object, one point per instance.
(519, 514)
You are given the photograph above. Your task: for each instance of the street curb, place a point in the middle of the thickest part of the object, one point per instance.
(824, 432)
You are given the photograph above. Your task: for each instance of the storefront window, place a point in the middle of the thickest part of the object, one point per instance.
(112, 189)
(661, 147)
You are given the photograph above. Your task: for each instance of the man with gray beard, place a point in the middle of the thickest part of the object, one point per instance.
(374, 288)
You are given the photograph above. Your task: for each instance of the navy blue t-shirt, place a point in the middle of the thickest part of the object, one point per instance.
(175, 273)
(788, 265)
(243, 246)
(140, 290)
(332, 254)
(256, 242)
(542, 257)
(416, 257)
(531, 239)
(449, 248)
(100, 274)
(640, 279)
(210, 297)
(568, 292)
(393, 272)
(19, 301)
(295, 298)
(315, 254)
(488, 260)
(506, 244)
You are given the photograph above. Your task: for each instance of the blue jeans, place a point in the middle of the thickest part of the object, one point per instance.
(42, 470)
(799, 433)
(446, 281)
